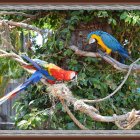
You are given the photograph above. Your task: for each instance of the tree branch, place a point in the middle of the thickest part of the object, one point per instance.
(29, 17)
(107, 58)
(117, 89)
(24, 25)
(62, 92)
(81, 126)
(13, 56)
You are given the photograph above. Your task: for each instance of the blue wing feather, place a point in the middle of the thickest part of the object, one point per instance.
(32, 62)
(44, 72)
(33, 79)
(113, 44)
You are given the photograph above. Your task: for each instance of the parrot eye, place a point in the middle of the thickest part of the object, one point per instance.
(73, 75)
(91, 40)
(74, 78)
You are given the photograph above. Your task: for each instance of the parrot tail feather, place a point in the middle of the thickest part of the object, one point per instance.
(10, 94)
(127, 56)
(131, 59)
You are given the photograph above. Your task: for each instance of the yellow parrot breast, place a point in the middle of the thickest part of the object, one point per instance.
(101, 43)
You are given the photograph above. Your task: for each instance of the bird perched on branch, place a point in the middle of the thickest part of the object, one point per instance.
(51, 74)
(54, 73)
(108, 43)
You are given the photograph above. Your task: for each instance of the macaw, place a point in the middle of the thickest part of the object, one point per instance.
(51, 73)
(55, 73)
(32, 80)
(108, 43)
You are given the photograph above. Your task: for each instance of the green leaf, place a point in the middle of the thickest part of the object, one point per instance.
(124, 15)
(21, 123)
(128, 19)
(114, 22)
(68, 52)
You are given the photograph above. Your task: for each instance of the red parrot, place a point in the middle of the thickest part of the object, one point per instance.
(42, 69)
(57, 73)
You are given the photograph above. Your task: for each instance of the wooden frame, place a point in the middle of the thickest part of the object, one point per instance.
(131, 5)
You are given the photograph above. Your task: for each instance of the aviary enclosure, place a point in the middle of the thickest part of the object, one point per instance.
(103, 88)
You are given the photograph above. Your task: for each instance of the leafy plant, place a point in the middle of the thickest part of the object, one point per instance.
(96, 79)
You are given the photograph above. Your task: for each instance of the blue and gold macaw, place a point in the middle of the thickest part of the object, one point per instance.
(108, 43)
(51, 74)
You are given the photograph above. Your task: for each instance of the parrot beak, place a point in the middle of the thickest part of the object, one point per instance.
(73, 76)
(91, 40)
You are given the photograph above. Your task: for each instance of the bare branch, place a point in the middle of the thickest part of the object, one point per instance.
(62, 92)
(36, 16)
(117, 89)
(24, 25)
(73, 117)
(107, 58)
(13, 55)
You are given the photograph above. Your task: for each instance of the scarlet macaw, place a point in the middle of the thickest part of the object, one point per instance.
(51, 73)
(55, 73)
(107, 42)
(33, 79)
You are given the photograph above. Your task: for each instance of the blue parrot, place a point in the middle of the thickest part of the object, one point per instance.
(108, 43)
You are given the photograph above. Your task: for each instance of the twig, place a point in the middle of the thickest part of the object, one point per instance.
(24, 25)
(117, 89)
(13, 56)
(107, 58)
(81, 126)
(36, 16)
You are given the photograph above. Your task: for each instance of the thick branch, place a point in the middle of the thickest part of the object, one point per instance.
(107, 58)
(73, 117)
(62, 92)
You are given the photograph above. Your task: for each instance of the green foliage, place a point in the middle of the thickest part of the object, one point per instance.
(96, 79)
(9, 68)
(131, 17)
(29, 115)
